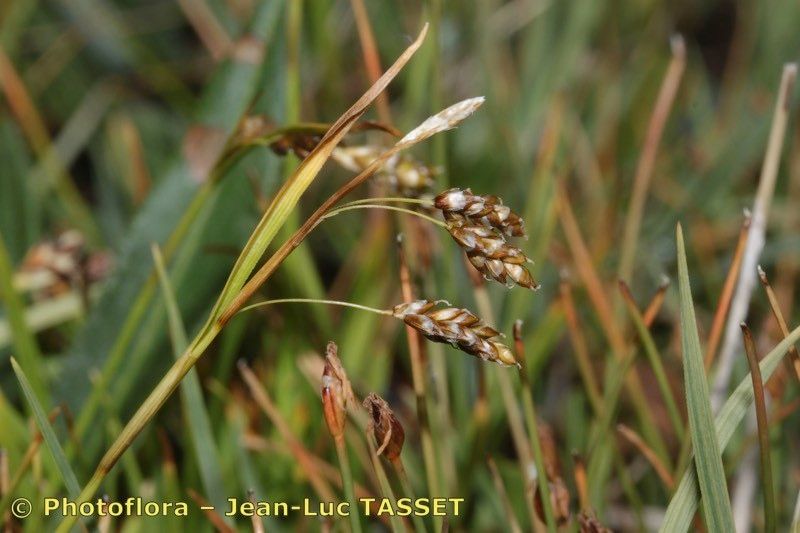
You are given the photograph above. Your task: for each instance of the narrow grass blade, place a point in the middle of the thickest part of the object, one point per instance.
(708, 459)
(24, 342)
(655, 360)
(502, 493)
(763, 430)
(202, 437)
(70, 481)
(684, 502)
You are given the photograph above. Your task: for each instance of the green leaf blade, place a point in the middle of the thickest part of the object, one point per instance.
(684, 502)
(197, 418)
(23, 339)
(708, 458)
(70, 481)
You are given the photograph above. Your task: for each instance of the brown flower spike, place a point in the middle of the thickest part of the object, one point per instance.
(457, 327)
(387, 429)
(479, 225)
(487, 210)
(488, 251)
(336, 392)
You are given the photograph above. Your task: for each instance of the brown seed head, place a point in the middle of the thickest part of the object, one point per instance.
(387, 429)
(336, 392)
(457, 327)
(487, 210)
(490, 254)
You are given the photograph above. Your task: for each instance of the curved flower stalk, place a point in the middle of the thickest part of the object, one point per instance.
(455, 326)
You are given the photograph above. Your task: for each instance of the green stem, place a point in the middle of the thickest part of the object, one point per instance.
(386, 487)
(342, 209)
(400, 470)
(347, 483)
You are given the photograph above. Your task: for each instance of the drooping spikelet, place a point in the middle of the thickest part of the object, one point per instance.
(388, 431)
(479, 225)
(487, 210)
(457, 327)
(491, 254)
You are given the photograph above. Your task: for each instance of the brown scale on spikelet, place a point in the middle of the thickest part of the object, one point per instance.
(457, 327)
(487, 210)
(491, 254)
(388, 432)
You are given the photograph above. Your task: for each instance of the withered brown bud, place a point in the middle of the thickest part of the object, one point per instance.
(457, 327)
(487, 210)
(388, 432)
(559, 501)
(336, 392)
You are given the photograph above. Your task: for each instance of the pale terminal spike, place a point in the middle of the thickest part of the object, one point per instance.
(444, 120)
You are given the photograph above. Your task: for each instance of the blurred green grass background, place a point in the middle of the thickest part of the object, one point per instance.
(109, 106)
